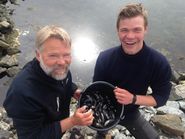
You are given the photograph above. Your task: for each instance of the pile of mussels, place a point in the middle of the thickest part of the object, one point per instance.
(104, 110)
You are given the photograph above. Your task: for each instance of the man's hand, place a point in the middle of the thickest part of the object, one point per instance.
(77, 94)
(123, 96)
(83, 117)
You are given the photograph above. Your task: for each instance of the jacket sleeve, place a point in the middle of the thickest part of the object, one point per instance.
(29, 117)
(74, 87)
(99, 70)
(161, 85)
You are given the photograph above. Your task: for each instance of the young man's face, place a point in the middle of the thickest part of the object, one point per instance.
(131, 32)
(55, 58)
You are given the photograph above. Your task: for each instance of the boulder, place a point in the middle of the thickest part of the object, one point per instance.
(169, 123)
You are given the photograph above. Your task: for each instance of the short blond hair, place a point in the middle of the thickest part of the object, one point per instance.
(51, 31)
(132, 10)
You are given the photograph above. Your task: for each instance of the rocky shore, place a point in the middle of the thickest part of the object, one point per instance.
(169, 120)
(8, 41)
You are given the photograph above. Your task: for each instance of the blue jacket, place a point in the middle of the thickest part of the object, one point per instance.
(37, 103)
(135, 72)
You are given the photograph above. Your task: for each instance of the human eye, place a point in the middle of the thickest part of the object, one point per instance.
(124, 30)
(67, 56)
(53, 56)
(137, 30)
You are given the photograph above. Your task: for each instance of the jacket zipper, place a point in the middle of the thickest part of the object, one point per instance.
(58, 103)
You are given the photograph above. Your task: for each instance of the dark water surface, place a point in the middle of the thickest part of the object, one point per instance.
(91, 24)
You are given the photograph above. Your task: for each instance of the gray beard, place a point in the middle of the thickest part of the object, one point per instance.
(48, 71)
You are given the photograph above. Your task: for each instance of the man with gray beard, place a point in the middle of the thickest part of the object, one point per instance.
(38, 99)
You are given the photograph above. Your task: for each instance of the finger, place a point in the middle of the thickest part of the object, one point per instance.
(89, 118)
(88, 113)
(82, 109)
(119, 94)
(115, 88)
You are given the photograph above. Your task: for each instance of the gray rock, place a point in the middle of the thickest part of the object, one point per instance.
(169, 123)
(169, 110)
(12, 38)
(180, 90)
(13, 2)
(9, 61)
(182, 75)
(4, 45)
(3, 1)
(173, 96)
(4, 125)
(2, 113)
(4, 134)
(2, 70)
(182, 105)
(175, 76)
(12, 71)
(121, 136)
(4, 24)
(173, 104)
(12, 51)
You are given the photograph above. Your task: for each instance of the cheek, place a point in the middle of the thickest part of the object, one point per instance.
(140, 37)
(121, 36)
(48, 62)
(68, 61)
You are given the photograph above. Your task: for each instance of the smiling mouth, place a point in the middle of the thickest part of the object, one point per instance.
(130, 43)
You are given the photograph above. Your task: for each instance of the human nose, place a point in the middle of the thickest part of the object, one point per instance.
(130, 35)
(61, 61)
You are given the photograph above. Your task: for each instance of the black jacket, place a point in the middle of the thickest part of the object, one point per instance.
(37, 103)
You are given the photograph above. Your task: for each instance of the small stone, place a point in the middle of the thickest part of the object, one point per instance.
(4, 24)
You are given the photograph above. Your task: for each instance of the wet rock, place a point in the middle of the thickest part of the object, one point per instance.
(4, 24)
(2, 70)
(175, 76)
(169, 123)
(9, 61)
(182, 75)
(4, 44)
(4, 125)
(182, 105)
(173, 104)
(4, 134)
(170, 110)
(147, 112)
(3, 1)
(12, 51)
(13, 2)
(12, 71)
(12, 38)
(173, 95)
(8, 41)
(180, 90)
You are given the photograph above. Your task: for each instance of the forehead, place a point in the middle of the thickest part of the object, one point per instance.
(132, 22)
(54, 44)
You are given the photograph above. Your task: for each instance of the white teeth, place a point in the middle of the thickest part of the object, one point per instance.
(130, 43)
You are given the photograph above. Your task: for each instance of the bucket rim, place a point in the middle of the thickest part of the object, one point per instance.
(122, 108)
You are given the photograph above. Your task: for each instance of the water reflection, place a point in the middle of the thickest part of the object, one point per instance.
(84, 49)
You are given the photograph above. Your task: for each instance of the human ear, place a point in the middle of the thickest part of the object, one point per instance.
(37, 55)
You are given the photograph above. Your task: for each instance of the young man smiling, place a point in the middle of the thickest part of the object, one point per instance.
(133, 67)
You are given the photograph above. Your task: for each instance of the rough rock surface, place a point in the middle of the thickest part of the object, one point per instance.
(8, 41)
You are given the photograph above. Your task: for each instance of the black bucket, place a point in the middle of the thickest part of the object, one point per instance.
(99, 97)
